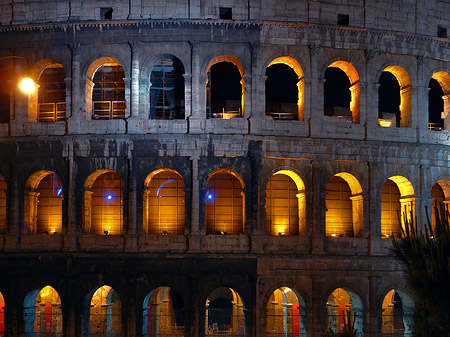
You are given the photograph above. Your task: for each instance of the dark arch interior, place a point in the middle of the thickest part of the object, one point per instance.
(389, 96)
(225, 89)
(6, 74)
(281, 92)
(435, 105)
(177, 307)
(337, 94)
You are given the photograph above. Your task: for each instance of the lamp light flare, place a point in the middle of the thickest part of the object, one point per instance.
(109, 197)
(27, 85)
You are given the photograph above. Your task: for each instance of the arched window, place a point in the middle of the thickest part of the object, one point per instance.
(103, 198)
(225, 204)
(42, 313)
(397, 205)
(439, 101)
(108, 95)
(344, 206)
(286, 314)
(224, 88)
(394, 98)
(163, 313)
(52, 94)
(102, 313)
(224, 313)
(437, 197)
(3, 206)
(164, 206)
(43, 203)
(341, 92)
(397, 314)
(344, 309)
(167, 89)
(284, 89)
(285, 204)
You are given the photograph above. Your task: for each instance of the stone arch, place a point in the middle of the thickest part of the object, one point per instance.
(405, 93)
(224, 314)
(42, 312)
(108, 209)
(54, 108)
(286, 313)
(164, 209)
(230, 108)
(277, 203)
(294, 66)
(341, 204)
(115, 106)
(397, 309)
(443, 79)
(102, 312)
(163, 313)
(397, 200)
(43, 203)
(225, 187)
(167, 88)
(344, 307)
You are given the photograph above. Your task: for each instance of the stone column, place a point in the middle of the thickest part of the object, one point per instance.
(369, 96)
(446, 113)
(198, 101)
(195, 234)
(318, 211)
(76, 99)
(316, 107)
(133, 120)
(357, 215)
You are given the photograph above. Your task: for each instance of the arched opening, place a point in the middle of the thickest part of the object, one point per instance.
(225, 203)
(7, 89)
(286, 314)
(285, 204)
(163, 313)
(341, 92)
(52, 94)
(3, 206)
(164, 203)
(397, 206)
(2, 316)
(284, 89)
(224, 314)
(224, 89)
(397, 314)
(435, 106)
(167, 89)
(103, 203)
(344, 309)
(437, 197)
(344, 206)
(102, 313)
(108, 91)
(42, 313)
(394, 98)
(43, 203)
(439, 101)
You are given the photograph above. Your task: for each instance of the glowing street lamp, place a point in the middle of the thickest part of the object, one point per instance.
(27, 85)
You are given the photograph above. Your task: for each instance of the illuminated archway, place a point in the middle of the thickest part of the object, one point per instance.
(286, 314)
(224, 314)
(102, 313)
(285, 204)
(225, 203)
(103, 203)
(344, 308)
(2, 315)
(52, 94)
(163, 313)
(105, 89)
(42, 313)
(224, 88)
(164, 203)
(397, 206)
(342, 91)
(394, 98)
(397, 314)
(344, 206)
(285, 89)
(439, 107)
(43, 203)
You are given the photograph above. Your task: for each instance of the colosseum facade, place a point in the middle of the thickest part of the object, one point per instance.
(204, 168)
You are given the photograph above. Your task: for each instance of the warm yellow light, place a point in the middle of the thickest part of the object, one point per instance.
(27, 85)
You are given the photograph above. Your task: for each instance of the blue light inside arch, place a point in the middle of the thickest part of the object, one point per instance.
(109, 197)
(59, 192)
(209, 196)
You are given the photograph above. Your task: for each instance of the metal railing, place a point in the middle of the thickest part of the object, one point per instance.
(435, 126)
(52, 112)
(109, 109)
